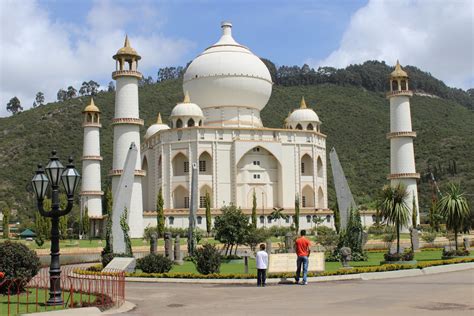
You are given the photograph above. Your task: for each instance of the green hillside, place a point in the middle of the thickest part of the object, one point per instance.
(355, 121)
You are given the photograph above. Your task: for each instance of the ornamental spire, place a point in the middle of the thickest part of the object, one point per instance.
(158, 120)
(186, 97)
(303, 104)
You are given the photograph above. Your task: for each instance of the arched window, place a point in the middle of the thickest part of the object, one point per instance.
(319, 167)
(374, 218)
(299, 126)
(310, 127)
(404, 85)
(269, 219)
(262, 219)
(394, 85)
(287, 219)
(308, 218)
(89, 118)
(199, 220)
(328, 218)
(171, 220)
(190, 122)
(179, 123)
(200, 122)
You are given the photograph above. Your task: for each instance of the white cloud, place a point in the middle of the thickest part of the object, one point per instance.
(436, 36)
(37, 53)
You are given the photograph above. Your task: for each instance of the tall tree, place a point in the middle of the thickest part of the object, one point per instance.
(39, 99)
(297, 214)
(454, 208)
(6, 221)
(86, 223)
(63, 219)
(254, 209)
(61, 95)
(71, 92)
(208, 214)
(14, 105)
(395, 209)
(108, 228)
(160, 215)
(414, 214)
(231, 227)
(111, 87)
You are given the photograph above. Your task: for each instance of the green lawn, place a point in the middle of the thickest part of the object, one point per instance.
(27, 303)
(373, 260)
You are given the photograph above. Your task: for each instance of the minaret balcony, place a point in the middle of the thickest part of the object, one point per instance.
(397, 93)
(403, 176)
(118, 172)
(127, 120)
(92, 193)
(99, 158)
(90, 124)
(401, 134)
(126, 73)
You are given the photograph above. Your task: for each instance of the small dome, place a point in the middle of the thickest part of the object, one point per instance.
(127, 50)
(91, 107)
(186, 109)
(302, 115)
(155, 128)
(398, 72)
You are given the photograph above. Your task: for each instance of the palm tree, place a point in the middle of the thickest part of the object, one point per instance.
(394, 209)
(277, 214)
(454, 208)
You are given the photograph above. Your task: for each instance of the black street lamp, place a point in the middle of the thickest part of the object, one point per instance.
(55, 172)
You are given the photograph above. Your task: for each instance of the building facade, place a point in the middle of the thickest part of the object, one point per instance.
(218, 128)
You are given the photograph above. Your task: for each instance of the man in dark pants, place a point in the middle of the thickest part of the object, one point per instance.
(262, 264)
(302, 251)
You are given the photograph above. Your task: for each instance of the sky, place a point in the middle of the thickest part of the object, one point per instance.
(46, 45)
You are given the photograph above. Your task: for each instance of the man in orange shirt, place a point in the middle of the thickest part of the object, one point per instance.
(302, 245)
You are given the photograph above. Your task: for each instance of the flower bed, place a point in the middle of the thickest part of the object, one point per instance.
(355, 270)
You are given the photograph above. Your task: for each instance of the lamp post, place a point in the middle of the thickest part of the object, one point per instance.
(55, 172)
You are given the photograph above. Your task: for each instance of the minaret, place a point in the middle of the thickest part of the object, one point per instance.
(402, 157)
(91, 192)
(126, 125)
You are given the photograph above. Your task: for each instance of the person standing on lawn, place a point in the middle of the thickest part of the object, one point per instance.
(302, 246)
(262, 265)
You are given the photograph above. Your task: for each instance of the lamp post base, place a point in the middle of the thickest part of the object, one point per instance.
(55, 299)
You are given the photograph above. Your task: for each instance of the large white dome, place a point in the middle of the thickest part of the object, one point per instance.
(228, 74)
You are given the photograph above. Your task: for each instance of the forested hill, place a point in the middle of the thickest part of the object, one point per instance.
(354, 118)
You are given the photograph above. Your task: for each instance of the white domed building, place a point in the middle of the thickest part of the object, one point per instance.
(218, 127)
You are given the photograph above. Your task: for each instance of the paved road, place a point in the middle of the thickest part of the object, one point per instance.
(442, 294)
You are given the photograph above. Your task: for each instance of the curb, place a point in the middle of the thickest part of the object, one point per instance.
(345, 277)
(125, 307)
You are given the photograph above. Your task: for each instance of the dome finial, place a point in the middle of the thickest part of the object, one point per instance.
(226, 28)
(186, 97)
(303, 104)
(127, 42)
(91, 107)
(158, 120)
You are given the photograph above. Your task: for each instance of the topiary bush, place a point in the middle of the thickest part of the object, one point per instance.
(17, 262)
(407, 255)
(207, 259)
(154, 263)
(448, 254)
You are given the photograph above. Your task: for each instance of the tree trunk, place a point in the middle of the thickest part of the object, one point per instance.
(398, 237)
(236, 246)
(456, 239)
(231, 248)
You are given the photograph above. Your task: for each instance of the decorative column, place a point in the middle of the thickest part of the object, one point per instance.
(402, 156)
(91, 192)
(126, 124)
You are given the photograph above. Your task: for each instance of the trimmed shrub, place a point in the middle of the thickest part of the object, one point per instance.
(429, 236)
(407, 255)
(207, 259)
(376, 229)
(448, 254)
(154, 263)
(17, 262)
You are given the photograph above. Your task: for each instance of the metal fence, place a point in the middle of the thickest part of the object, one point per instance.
(103, 290)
